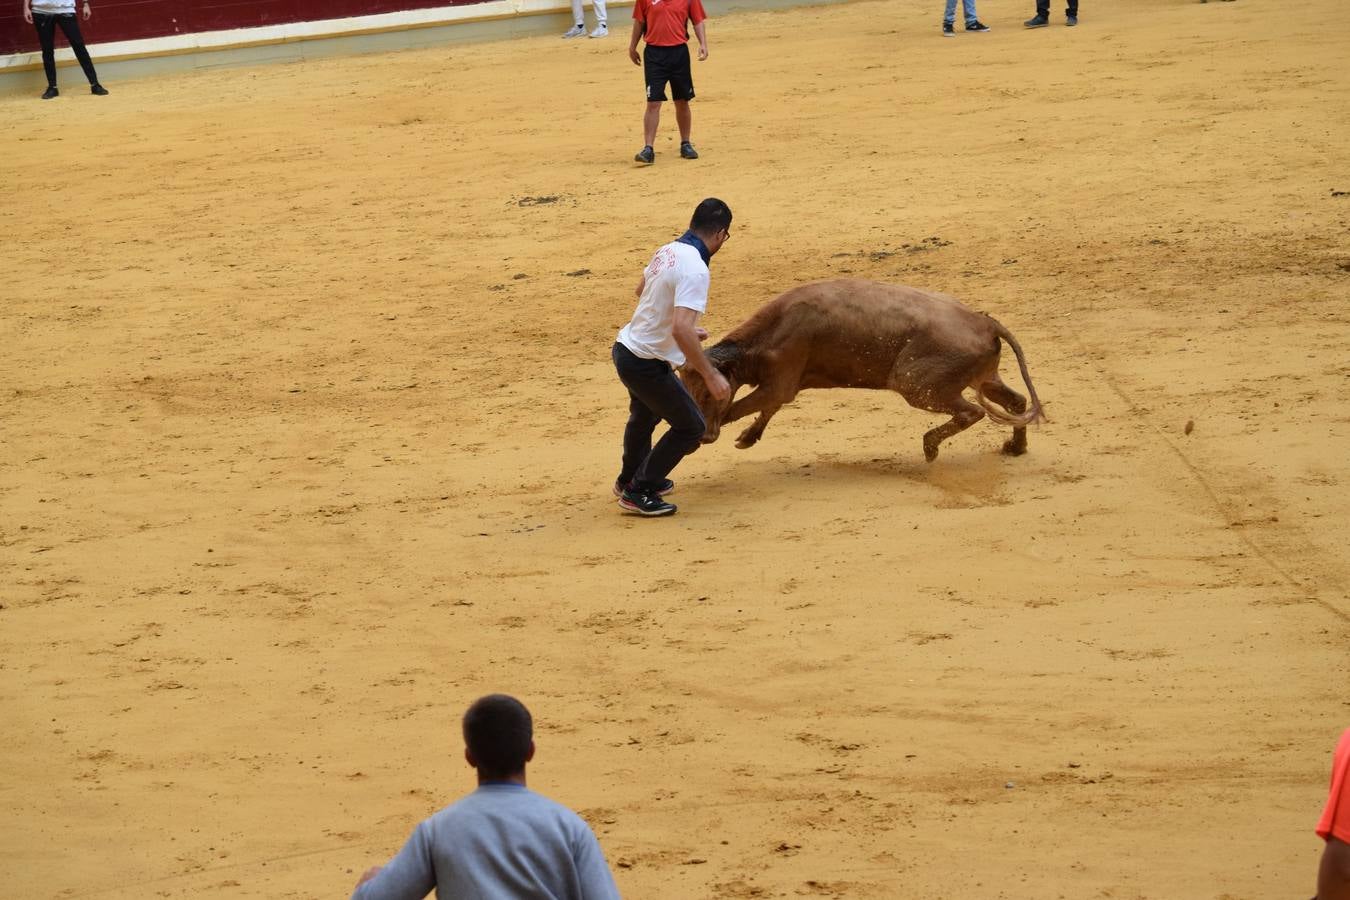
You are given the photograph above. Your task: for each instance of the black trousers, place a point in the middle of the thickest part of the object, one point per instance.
(70, 26)
(654, 393)
(1043, 8)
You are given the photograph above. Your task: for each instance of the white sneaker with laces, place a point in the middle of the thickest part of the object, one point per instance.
(574, 32)
(601, 30)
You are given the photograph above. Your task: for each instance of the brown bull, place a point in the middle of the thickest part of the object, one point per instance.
(926, 347)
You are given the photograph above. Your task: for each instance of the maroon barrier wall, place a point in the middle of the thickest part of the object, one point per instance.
(121, 20)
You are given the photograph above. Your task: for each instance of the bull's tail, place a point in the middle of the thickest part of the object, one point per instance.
(1035, 412)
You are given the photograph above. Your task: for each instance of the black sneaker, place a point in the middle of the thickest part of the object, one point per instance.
(50, 93)
(948, 30)
(666, 487)
(645, 503)
(976, 26)
(98, 89)
(1037, 21)
(1071, 21)
(687, 150)
(646, 155)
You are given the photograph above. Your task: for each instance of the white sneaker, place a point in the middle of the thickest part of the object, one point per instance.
(575, 31)
(601, 30)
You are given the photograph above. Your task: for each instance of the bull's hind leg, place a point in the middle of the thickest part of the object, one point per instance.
(964, 414)
(1014, 403)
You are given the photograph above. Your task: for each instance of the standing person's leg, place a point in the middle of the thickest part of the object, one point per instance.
(682, 90)
(579, 19)
(46, 30)
(71, 27)
(655, 75)
(968, 7)
(601, 17)
(1072, 12)
(684, 118)
(650, 120)
(949, 15)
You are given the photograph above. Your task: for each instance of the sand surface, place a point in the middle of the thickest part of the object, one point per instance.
(309, 428)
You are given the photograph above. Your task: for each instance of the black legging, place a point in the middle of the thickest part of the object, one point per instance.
(46, 29)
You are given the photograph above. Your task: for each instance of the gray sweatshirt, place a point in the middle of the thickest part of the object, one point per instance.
(502, 842)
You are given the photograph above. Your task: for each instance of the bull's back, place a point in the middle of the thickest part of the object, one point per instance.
(849, 332)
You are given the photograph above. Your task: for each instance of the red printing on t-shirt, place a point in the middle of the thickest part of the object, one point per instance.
(1335, 821)
(666, 20)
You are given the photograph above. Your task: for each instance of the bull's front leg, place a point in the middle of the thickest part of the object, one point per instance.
(761, 400)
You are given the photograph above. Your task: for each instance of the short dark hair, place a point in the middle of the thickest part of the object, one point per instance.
(498, 731)
(712, 215)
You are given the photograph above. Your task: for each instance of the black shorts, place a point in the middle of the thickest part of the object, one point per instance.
(662, 64)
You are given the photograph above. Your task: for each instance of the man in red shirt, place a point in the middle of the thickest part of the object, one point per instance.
(663, 23)
(1333, 875)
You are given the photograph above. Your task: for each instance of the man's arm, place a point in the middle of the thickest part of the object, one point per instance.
(701, 32)
(408, 876)
(639, 28)
(597, 882)
(686, 336)
(27, 12)
(1333, 875)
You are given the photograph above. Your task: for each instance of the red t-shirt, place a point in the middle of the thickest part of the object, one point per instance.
(1335, 821)
(665, 20)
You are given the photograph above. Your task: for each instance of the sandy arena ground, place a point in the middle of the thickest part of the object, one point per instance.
(309, 429)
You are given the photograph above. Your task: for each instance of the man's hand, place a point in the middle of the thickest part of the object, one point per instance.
(87, 12)
(702, 52)
(634, 55)
(718, 386)
(701, 334)
(27, 14)
(370, 873)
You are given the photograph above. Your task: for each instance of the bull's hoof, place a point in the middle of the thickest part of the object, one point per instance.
(1013, 447)
(746, 441)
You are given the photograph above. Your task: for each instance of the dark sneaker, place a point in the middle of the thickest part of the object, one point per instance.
(976, 26)
(646, 155)
(98, 89)
(645, 503)
(687, 150)
(50, 92)
(1037, 22)
(1071, 21)
(948, 30)
(666, 487)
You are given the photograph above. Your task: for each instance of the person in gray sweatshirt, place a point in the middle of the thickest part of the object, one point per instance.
(502, 840)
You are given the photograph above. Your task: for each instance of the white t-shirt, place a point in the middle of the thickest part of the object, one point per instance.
(676, 276)
(54, 7)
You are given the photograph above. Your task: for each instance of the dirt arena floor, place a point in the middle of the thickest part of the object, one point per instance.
(309, 428)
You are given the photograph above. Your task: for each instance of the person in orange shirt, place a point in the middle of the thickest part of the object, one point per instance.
(1333, 875)
(664, 26)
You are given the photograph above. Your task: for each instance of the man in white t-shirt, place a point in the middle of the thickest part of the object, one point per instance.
(662, 336)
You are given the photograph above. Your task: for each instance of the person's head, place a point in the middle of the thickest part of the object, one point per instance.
(498, 737)
(712, 223)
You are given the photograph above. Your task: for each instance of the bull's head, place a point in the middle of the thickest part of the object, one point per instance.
(725, 357)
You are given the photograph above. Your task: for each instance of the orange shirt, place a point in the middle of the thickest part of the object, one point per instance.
(1335, 821)
(666, 20)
